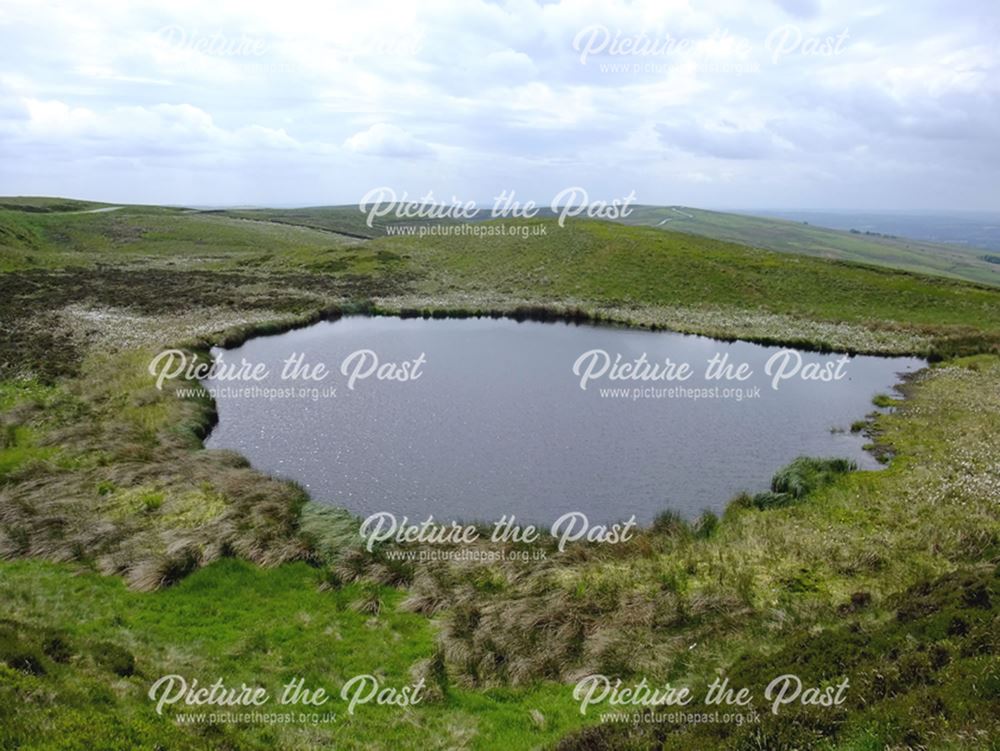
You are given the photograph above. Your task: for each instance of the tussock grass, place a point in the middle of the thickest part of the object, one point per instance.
(915, 678)
(122, 484)
(793, 483)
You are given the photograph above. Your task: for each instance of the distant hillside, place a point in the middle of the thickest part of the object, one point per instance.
(39, 231)
(343, 220)
(43, 205)
(635, 266)
(796, 237)
(684, 281)
(42, 237)
(970, 229)
(924, 257)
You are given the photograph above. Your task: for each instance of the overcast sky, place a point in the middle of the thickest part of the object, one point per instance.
(790, 103)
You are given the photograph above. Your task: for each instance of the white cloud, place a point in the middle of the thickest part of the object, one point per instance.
(175, 129)
(382, 139)
(324, 101)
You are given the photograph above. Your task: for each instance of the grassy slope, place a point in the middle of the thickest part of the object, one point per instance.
(710, 286)
(601, 261)
(919, 256)
(100, 461)
(795, 237)
(158, 237)
(347, 220)
(772, 234)
(637, 274)
(41, 204)
(585, 261)
(262, 627)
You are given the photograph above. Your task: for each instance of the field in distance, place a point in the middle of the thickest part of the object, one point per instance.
(921, 256)
(349, 223)
(955, 261)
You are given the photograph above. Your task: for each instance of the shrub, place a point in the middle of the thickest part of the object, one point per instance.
(150, 502)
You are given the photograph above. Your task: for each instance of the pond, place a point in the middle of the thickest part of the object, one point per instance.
(474, 419)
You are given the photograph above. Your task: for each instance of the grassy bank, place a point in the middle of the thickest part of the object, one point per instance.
(704, 286)
(78, 653)
(833, 564)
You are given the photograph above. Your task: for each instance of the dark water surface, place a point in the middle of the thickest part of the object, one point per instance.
(497, 424)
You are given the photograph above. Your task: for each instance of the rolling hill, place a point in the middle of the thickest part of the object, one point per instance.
(956, 262)
(348, 224)
(784, 236)
(680, 280)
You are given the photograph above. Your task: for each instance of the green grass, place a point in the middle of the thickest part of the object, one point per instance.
(344, 220)
(41, 204)
(773, 234)
(18, 442)
(906, 254)
(17, 448)
(640, 266)
(799, 479)
(172, 238)
(232, 620)
(925, 676)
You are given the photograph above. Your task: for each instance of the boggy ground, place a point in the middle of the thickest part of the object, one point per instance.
(886, 577)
